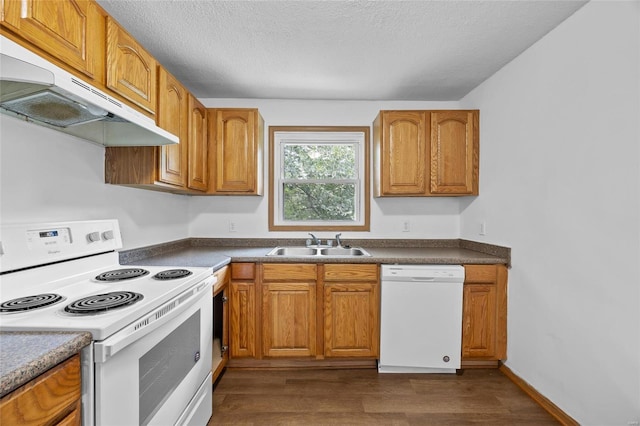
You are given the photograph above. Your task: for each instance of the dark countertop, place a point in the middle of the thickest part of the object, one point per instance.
(25, 356)
(220, 252)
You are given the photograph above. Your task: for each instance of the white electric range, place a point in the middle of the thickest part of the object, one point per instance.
(150, 359)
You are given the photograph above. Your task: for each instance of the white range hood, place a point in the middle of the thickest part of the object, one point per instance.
(37, 91)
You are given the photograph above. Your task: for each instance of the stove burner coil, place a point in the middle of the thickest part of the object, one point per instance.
(172, 274)
(103, 302)
(122, 274)
(30, 302)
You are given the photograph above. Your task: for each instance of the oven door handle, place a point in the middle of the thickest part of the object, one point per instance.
(107, 348)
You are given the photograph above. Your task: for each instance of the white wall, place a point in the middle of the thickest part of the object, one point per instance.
(428, 217)
(560, 184)
(49, 176)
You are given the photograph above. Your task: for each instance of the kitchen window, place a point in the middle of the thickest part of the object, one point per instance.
(319, 178)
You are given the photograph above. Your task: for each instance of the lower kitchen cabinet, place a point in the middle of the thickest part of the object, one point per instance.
(242, 311)
(304, 313)
(289, 310)
(51, 399)
(484, 314)
(351, 310)
(331, 313)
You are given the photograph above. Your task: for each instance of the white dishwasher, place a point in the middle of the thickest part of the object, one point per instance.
(420, 318)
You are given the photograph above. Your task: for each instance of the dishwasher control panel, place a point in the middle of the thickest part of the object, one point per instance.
(440, 273)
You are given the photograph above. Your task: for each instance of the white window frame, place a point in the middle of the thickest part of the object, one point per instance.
(281, 136)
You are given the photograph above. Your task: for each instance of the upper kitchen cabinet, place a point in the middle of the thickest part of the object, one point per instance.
(180, 168)
(172, 116)
(400, 152)
(454, 152)
(69, 31)
(236, 138)
(131, 70)
(198, 146)
(426, 153)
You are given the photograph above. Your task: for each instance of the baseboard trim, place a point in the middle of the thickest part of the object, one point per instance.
(542, 400)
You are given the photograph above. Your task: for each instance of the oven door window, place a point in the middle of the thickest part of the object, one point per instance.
(164, 366)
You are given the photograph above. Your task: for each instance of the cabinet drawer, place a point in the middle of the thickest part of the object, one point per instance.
(350, 272)
(243, 271)
(45, 400)
(289, 271)
(480, 273)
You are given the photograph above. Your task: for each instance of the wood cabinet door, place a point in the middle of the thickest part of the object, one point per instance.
(198, 146)
(479, 320)
(454, 152)
(242, 319)
(131, 70)
(404, 153)
(66, 29)
(172, 116)
(351, 319)
(237, 151)
(289, 319)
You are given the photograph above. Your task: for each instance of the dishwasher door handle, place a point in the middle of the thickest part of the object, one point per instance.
(427, 279)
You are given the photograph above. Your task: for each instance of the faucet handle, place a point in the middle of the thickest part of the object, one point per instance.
(315, 241)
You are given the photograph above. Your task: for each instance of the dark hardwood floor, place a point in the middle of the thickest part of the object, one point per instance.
(364, 397)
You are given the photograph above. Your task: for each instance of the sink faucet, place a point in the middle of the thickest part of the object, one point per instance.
(316, 241)
(338, 241)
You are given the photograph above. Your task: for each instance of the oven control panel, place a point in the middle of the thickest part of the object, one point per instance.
(27, 245)
(49, 239)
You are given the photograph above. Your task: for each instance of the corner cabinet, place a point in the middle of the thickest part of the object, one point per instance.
(351, 310)
(70, 31)
(181, 168)
(484, 315)
(236, 140)
(426, 153)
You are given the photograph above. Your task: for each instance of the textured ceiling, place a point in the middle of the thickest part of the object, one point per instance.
(355, 50)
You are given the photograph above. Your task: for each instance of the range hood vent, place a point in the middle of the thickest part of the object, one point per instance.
(35, 90)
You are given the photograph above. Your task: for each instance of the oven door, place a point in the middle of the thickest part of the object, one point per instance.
(158, 370)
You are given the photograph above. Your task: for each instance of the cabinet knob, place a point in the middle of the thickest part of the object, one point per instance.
(225, 299)
(445, 358)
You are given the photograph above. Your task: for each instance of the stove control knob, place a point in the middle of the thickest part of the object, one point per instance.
(107, 235)
(93, 237)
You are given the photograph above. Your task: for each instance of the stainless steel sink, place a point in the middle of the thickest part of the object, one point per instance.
(342, 251)
(313, 251)
(293, 251)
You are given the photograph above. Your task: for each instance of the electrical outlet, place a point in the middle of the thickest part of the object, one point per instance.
(406, 226)
(232, 226)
